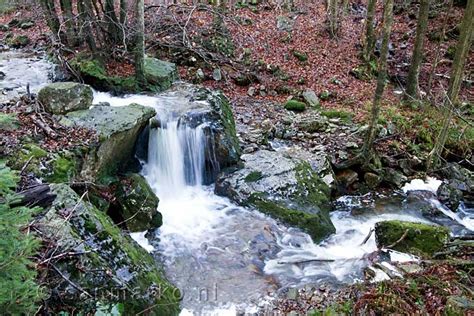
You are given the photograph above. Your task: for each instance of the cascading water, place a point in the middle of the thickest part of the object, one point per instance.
(225, 258)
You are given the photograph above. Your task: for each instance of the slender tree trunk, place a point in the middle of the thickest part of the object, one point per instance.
(113, 27)
(438, 49)
(51, 17)
(369, 31)
(417, 57)
(66, 8)
(140, 44)
(123, 12)
(451, 99)
(381, 80)
(332, 18)
(85, 18)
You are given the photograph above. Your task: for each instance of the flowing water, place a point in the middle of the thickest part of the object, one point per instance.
(225, 258)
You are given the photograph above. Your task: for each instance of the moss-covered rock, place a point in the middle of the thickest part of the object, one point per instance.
(159, 74)
(118, 129)
(301, 56)
(295, 106)
(19, 41)
(63, 97)
(138, 203)
(108, 267)
(285, 188)
(418, 238)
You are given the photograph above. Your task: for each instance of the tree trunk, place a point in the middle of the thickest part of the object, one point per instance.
(369, 31)
(381, 80)
(123, 12)
(417, 57)
(451, 99)
(332, 18)
(51, 17)
(85, 18)
(68, 16)
(140, 44)
(113, 27)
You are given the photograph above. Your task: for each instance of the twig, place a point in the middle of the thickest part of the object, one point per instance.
(306, 261)
(26, 164)
(367, 237)
(399, 240)
(44, 127)
(77, 287)
(66, 254)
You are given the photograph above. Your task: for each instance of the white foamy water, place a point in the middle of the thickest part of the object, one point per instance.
(430, 184)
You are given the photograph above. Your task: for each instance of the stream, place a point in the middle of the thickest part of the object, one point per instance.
(226, 259)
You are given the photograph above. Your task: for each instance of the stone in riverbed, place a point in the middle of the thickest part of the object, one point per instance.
(160, 74)
(138, 203)
(63, 97)
(285, 188)
(118, 129)
(420, 239)
(109, 261)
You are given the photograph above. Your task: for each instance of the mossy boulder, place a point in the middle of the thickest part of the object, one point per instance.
(108, 268)
(295, 106)
(138, 203)
(159, 75)
(118, 129)
(63, 97)
(415, 238)
(19, 41)
(285, 188)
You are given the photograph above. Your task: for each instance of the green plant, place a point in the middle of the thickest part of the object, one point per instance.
(18, 289)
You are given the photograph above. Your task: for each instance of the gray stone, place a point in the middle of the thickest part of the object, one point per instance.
(200, 74)
(63, 97)
(311, 123)
(372, 180)
(285, 188)
(311, 98)
(160, 74)
(118, 129)
(217, 75)
(394, 177)
(284, 23)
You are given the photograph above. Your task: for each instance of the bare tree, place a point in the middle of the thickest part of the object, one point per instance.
(369, 31)
(451, 98)
(381, 80)
(140, 43)
(417, 57)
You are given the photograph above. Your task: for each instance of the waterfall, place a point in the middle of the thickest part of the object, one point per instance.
(176, 157)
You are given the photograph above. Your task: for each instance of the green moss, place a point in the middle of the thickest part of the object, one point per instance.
(294, 105)
(19, 41)
(420, 239)
(63, 170)
(253, 176)
(31, 154)
(311, 190)
(317, 225)
(300, 55)
(345, 117)
(8, 121)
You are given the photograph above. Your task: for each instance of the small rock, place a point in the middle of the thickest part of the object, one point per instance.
(284, 23)
(372, 180)
(347, 177)
(311, 98)
(217, 75)
(200, 74)
(251, 91)
(352, 145)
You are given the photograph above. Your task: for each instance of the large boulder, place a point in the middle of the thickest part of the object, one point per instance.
(138, 204)
(160, 74)
(283, 187)
(63, 97)
(118, 129)
(457, 187)
(94, 265)
(415, 238)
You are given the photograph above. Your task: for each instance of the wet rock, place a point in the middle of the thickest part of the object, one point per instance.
(420, 200)
(372, 180)
(347, 177)
(394, 177)
(63, 97)
(118, 129)
(415, 238)
(285, 188)
(138, 204)
(106, 262)
(458, 186)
